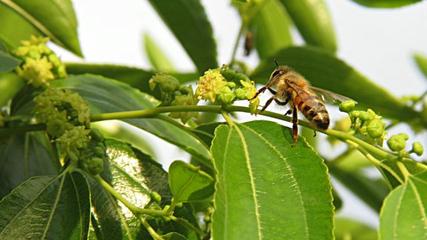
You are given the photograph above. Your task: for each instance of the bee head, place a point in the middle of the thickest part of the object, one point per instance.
(279, 71)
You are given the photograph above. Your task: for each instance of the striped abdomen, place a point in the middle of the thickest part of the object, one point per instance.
(312, 108)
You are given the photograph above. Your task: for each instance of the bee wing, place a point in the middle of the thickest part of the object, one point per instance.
(328, 96)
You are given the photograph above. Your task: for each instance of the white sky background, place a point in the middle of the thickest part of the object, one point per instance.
(378, 43)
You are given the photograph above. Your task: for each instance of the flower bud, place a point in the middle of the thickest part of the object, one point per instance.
(36, 72)
(343, 124)
(156, 197)
(93, 165)
(211, 84)
(375, 128)
(397, 142)
(366, 116)
(417, 148)
(347, 106)
(253, 105)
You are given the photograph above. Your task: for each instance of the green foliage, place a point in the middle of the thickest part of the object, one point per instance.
(403, 215)
(54, 19)
(198, 40)
(249, 196)
(61, 178)
(188, 183)
(313, 21)
(386, 3)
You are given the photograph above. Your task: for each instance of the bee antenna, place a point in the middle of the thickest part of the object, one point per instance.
(275, 61)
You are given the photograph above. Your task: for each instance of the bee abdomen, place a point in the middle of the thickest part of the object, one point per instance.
(316, 113)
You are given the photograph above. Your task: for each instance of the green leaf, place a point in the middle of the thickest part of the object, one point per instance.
(10, 84)
(14, 28)
(313, 21)
(267, 187)
(385, 3)
(188, 183)
(326, 71)
(23, 156)
(47, 208)
(136, 77)
(135, 176)
(97, 91)
(7, 62)
(53, 18)
(271, 27)
(369, 190)
(157, 58)
(190, 25)
(404, 213)
(349, 229)
(421, 61)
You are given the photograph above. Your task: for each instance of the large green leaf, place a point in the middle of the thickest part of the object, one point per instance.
(107, 95)
(421, 61)
(349, 229)
(188, 183)
(14, 28)
(313, 21)
(326, 71)
(136, 77)
(7, 62)
(271, 27)
(404, 213)
(267, 187)
(53, 18)
(385, 3)
(157, 58)
(23, 156)
(188, 21)
(47, 208)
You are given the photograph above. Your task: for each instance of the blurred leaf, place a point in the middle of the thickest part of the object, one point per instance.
(190, 25)
(7, 62)
(47, 208)
(97, 91)
(337, 200)
(271, 27)
(174, 236)
(23, 156)
(349, 229)
(157, 58)
(326, 71)
(385, 3)
(421, 61)
(188, 183)
(54, 18)
(267, 187)
(10, 84)
(136, 77)
(313, 21)
(403, 215)
(14, 28)
(371, 191)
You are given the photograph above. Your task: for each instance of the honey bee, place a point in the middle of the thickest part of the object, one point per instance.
(288, 86)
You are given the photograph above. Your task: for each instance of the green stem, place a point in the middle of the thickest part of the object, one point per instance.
(150, 230)
(134, 209)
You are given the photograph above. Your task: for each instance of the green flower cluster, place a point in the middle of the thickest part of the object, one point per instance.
(40, 64)
(365, 124)
(224, 86)
(92, 157)
(370, 127)
(168, 89)
(66, 116)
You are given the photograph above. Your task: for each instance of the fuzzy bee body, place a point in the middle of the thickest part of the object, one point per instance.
(288, 86)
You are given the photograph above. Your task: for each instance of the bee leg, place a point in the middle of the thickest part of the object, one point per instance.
(267, 103)
(295, 125)
(282, 103)
(272, 91)
(314, 133)
(261, 90)
(288, 112)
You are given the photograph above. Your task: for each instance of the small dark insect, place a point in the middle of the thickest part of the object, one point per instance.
(249, 43)
(288, 86)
